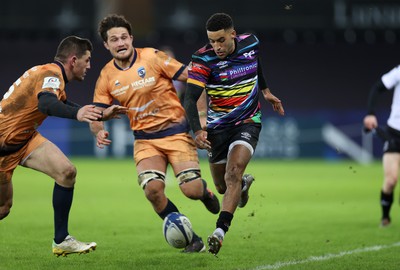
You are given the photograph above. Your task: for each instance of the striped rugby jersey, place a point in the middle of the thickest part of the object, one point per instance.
(231, 83)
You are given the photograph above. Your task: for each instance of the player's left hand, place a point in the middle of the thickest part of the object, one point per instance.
(278, 107)
(114, 111)
(275, 102)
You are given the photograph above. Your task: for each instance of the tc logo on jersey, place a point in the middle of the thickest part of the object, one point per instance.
(141, 72)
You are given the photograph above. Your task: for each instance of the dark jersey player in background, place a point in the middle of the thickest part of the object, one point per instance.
(228, 68)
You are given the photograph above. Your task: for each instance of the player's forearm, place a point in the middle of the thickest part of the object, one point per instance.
(96, 127)
(192, 94)
(50, 105)
(73, 104)
(266, 92)
(375, 91)
(202, 104)
(183, 75)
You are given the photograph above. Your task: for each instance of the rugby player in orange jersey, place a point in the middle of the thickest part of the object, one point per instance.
(40, 92)
(141, 79)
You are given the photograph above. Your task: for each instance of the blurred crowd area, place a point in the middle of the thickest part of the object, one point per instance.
(315, 54)
(291, 21)
(319, 57)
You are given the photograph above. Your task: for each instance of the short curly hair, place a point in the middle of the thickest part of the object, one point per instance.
(219, 21)
(111, 21)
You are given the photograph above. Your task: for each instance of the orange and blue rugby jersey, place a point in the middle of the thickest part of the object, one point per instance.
(19, 114)
(146, 88)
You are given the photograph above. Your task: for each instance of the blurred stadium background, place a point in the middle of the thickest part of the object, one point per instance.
(319, 57)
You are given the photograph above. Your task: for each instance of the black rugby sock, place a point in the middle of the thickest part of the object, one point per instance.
(386, 203)
(62, 201)
(168, 209)
(224, 220)
(206, 194)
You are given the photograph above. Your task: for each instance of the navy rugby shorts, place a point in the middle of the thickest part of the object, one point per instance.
(221, 140)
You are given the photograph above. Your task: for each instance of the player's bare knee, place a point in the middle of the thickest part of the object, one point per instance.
(66, 172)
(154, 192)
(193, 190)
(152, 182)
(390, 181)
(232, 177)
(70, 172)
(391, 184)
(68, 175)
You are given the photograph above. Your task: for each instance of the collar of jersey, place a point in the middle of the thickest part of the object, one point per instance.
(62, 70)
(133, 61)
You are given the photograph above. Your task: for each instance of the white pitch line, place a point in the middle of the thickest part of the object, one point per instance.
(325, 257)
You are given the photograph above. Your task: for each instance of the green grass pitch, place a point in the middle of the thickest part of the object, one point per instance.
(302, 214)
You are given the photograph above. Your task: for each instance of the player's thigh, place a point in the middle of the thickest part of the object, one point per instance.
(182, 153)
(239, 156)
(148, 156)
(49, 159)
(391, 163)
(158, 163)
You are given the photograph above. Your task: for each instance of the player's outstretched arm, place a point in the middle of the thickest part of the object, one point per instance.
(113, 112)
(88, 113)
(49, 104)
(275, 102)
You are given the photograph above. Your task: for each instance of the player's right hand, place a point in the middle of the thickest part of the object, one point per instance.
(201, 140)
(102, 139)
(370, 122)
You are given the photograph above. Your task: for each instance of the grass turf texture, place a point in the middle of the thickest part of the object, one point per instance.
(301, 215)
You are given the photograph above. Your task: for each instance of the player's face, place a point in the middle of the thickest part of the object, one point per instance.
(81, 66)
(222, 41)
(119, 43)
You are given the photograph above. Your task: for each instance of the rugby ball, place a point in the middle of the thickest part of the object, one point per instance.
(177, 230)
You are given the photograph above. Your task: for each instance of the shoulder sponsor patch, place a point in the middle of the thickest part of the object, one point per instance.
(51, 82)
